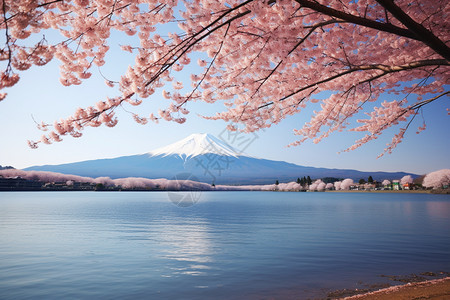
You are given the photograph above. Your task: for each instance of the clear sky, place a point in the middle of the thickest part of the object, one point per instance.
(39, 95)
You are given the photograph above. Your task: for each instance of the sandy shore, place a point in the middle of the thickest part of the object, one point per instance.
(437, 289)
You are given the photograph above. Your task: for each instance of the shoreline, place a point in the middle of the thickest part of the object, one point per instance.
(434, 289)
(382, 191)
(434, 192)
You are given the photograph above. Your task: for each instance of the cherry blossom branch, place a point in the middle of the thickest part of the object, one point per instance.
(391, 118)
(425, 102)
(207, 70)
(386, 69)
(267, 59)
(415, 31)
(301, 41)
(423, 34)
(196, 38)
(49, 3)
(386, 27)
(8, 68)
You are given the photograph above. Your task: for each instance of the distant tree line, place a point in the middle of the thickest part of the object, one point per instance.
(369, 180)
(306, 180)
(6, 167)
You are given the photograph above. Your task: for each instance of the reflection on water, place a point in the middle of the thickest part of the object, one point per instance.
(438, 209)
(187, 241)
(230, 245)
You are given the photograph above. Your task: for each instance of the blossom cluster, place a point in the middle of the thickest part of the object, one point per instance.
(437, 179)
(264, 60)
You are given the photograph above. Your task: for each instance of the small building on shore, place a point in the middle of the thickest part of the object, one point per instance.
(408, 186)
(396, 185)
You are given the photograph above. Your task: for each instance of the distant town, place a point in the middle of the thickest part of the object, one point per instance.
(301, 184)
(17, 183)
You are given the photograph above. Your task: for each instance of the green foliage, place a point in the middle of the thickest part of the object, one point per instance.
(331, 179)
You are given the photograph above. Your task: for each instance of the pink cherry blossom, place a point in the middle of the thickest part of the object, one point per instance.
(386, 182)
(437, 179)
(406, 179)
(346, 184)
(267, 60)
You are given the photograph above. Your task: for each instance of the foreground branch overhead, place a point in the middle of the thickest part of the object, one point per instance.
(264, 60)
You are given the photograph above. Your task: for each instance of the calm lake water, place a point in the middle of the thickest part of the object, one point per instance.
(230, 245)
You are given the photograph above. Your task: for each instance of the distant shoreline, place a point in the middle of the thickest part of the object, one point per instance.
(383, 191)
(439, 191)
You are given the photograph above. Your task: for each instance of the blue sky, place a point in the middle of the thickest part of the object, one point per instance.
(39, 95)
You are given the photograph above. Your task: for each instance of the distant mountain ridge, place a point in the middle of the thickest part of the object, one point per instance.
(209, 160)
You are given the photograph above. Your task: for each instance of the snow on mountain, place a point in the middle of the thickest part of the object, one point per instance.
(207, 158)
(197, 144)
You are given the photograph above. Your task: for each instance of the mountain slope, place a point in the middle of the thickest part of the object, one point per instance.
(195, 145)
(210, 160)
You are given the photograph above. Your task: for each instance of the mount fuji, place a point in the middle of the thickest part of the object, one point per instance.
(205, 158)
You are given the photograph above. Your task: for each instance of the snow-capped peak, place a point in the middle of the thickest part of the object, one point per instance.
(197, 144)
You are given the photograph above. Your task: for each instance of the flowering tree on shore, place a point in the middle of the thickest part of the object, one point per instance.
(437, 179)
(406, 179)
(317, 185)
(264, 60)
(344, 184)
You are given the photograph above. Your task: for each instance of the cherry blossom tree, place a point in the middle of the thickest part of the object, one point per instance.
(264, 60)
(406, 179)
(386, 182)
(329, 186)
(437, 179)
(346, 184)
(317, 185)
(337, 185)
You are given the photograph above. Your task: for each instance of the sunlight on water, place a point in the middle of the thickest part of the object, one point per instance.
(229, 245)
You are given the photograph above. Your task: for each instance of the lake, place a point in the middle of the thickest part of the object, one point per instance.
(229, 245)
